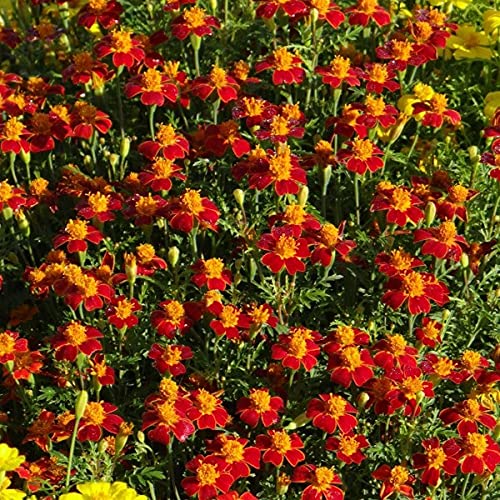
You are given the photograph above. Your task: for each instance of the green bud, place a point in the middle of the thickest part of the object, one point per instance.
(303, 195)
(430, 213)
(195, 42)
(474, 154)
(173, 256)
(464, 260)
(102, 446)
(445, 314)
(239, 196)
(81, 403)
(25, 156)
(125, 147)
(23, 224)
(113, 159)
(87, 160)
(362, 400)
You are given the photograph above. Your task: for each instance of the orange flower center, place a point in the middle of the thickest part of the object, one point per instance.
(348, 445)
(410, 386)
(422, 31)
(253, 106)
(194, 17)
(61, 112)
(5, 191)
(378, 73)
(335, 406)
(174, 311)
(283, 60)
(151, 80)
(124, 309)
(281, 164)
(121, 41)
(397, 344)
(169, 389)
(458, 194)
(413, 285)
(399, 476)
(345, 335)
(323, 478)
(241, 70)
(475, 444)
(213, 268)
(146, 205)
(207, 474)
(88, 286)
(443, 367)
(41, 123)
(323, 148)
(291, 111)
(167, 413)
(98, 202)
(439, 103)
(471, 360)
(146, 253)
(298, 346)
(362, 149)
(7, 344)
(171, 356)
(295, 214)
(401, 199)
(374, 106)
(436, 458)
(281, 442)
(232, 451)
(321, 6)
(166, 135)
(400, 259)
(329, 235)
(172, 69)
(162, 168)
(229, 130)
(471, 409)
(83, 62)
(261, 400)
(13, 129)
(77, 229)
(401, 49)
(259, 315)
(218, 77)
(38, 187)
(431, 330)
(97, 5)
(340, 67)
(279, 126)
(45, 29)
(286, 247)
(229, 316)
(447, 232)
(94, 413)
(86, 111)
(191, 202)
(206, 402)
(351, 358)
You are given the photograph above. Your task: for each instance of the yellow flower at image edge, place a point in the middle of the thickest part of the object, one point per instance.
(468, 43)
(491, 103)
(8, 494)
(103, 491)
(9, 458)
(460, 4)
(491, 22)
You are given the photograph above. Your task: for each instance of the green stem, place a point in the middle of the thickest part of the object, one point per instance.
(120, 103)
(356, 199)
(152, 110)
(12, 161)
(71, 451)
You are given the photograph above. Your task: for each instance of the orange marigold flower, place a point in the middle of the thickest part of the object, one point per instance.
(125, 48)
(174, 316)
(212, 273)
(298, 348)
(366, 10)
(348, 447)
(279, 446)
(395, 480)
(480, 454)
(98, 416)
(259, 406)
(322, 481)
(10, 345)
(442, 242)
(194, 21)
(169, 358)
(330, 411)
(74, 338)
(361, 155)
(207, 410)
(219, 81)
(104, 12)
(287, 67)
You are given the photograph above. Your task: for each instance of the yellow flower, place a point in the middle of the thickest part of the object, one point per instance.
(491, 103)
(469, 44)
(9, 458)
(7, 494)
(103, 491)
(491, 22)
(460, 4)
(421, 93)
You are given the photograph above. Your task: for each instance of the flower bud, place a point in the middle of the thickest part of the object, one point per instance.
(252, 269)
(473, 154)
(124, 147)
(130, 267)
(81, 404)
(23, 223)
(314, 15)
(173, 256)
(113, 160)
(298, 421)
(430, 213)
(362, 400)
(282, 483)
(124, 432)
(141, 437)
(445, 314)
(271, 25)
(303, 195)
(213, 5)
(25, 156)
(195, 42)
(87, 160)
(102, 446)
(464, 260)
(7, 213)
(239, 196)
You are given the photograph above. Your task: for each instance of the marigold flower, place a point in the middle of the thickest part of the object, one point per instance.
(13, 136)
(101, 489)
(194, 21)
(322, 481)
(9, 458)
(394, 351)
(339, 71)
(328, 11)
(212, 273)
(479, 455)
(102, 373)
(99, 206)
(281, 123)
(344, 336)
(25, 365)
(395, 480)
(229, 321)
(174, 316)
(396, 262)
(401, 206)
(125, 48)
(378, 77)
(160, 173)
(401, 54)
(98, 416)
(218, 138)
(435, 112)
(348, 447)
(298, 348)
(11, 345)
(454, 203)
(467, 43)
(468, 413)
(441, 242)
(350, 364)
(330, 411)
(296, 215)
(11, 196)
(268, 8)
(168, 142)
(328, 241)
(218, 80)
(207, 410)
(259, 406)
(104, 12)
(120, 312)
(153, 86)
(366, 10)
(86, 119)
(361, 155)
(286, 67)
(74, 338)
(279, 446)
(429, 333)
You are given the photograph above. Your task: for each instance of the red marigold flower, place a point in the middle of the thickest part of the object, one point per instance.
(376, 112)
(467, 413)
(366, 10)
(436, 111)
(438, 368)
(98, 416)
(351, 364)
(120, 312)
(174, 316)
(236, 454)
(39, 431)
(125, 48)
(401, 206)
(74, 338)
(396, 262)
(207, 410)
(218, 138)
(480, 454)
(395, 480)
(435, 459)
(191, 207)
(153, 86)
(104, 12)
(285, 248)
(327, 242)
(84, 69)
(287, 67)
(268, 8)
(454, 203)
(144, 209)
(378, 77)
(261, 315)
(278, 446)
(401, 54)
(194, 21)
(86, 289)
(13, 135)
(218, 80)
(328, 11)
(418, 289)
(344, 336)
(169, 358)
(441, 242)
(104, 374)
(159, 174)
(429, 333)
(100, 206)
(394, 351)
(339, 71)
(281, 123)
(376, 389)
(10, 345)
(230, 320)
(347, 447)
(25, 364)
(331, 411)
(168, 142)
(298, 348)
(86, 119)
(12, 197)
(43, 128)
(296, 215)
(259, 406)
(323, 482)
(212, 273)
(361, 155)
(471, 365)
(211, 477)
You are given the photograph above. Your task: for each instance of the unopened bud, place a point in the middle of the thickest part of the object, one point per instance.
(25, 156)
(213, 5)
(195, 42)
(113, 159)
(239, 196)
(103, 446)
(464, 260)
(282, 483)
(87, 160)
(130, 267)
(271, 25)
(445, 314)
(252, 269)
(81, 404)
(124, 432)
(362, 400)
(141, 437)
(298, 421)
(303, 195)
(473, 154)
(23, 223)
(314, 15)
(430, 213)
(125, 147)
(173, 256)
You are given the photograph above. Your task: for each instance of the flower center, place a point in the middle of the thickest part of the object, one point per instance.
(329, 235)
(443, 367)
(378, 73)
(397, 344)
(399, 475)
(124, 309)
(194, 17)
(348, 445)
(281, 164)
(423, 92)
(171, 356)
(401, 199)
(253, 106)
(431, 330)
(218, 77)
(86, 112)
(88, 286)
(401, 49)
(345, 335)
(471, 360)
(281, 442)
(146, 205)
(475, 444)
(471, 409)
(151, 80)
(5, 191)
(121, 41)
(94, 413)
(323, 478)
(7, 344)
(335, 406)
(174, 311)
(77, 229)
(422, 31)
(413, 285)
(83, 62)
(298, 346)
(207, 474)
(436, 458)
(400, 259)
(458, 194)
(97, 6)
(321, 6)
(351, 358)
(146, 253)
(286, 247)
(169, 389)
(213, 268)
(283, 60)
(45, 29)
(374, 106)
(295, 214)
(279, 126)
(439, 103)
(261, 400)
(410, 386)
(232, 451)
(41, 124)
(98, 202)
(447, 232)
(230, 316)
(162, 168)
(259, 315)
(340, 67)
(206, 402)
(166, 135)
(13, 129)
(362, 149)
(38, 187)
(191, 202)
(167, 413)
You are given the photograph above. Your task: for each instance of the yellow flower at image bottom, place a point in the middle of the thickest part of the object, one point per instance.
(9, 458)
(7, 494)
(103, 491)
